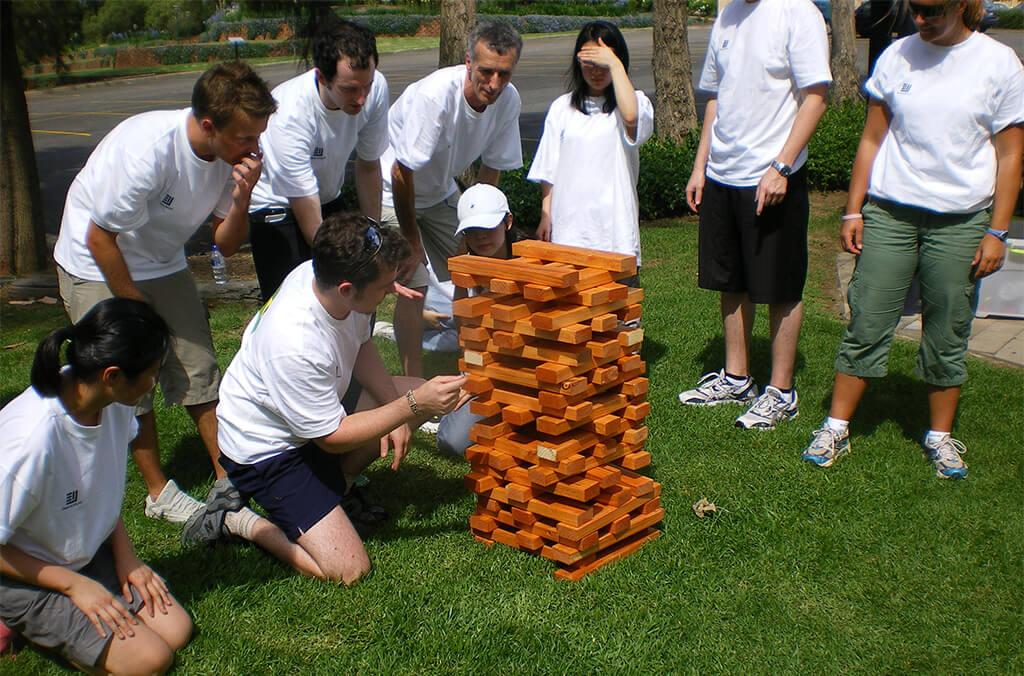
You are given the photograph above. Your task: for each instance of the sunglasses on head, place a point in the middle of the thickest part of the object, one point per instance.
(929, 11)
(372, 243)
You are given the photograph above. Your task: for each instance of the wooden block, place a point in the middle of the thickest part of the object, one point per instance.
(605, 322)
(562, 511)
(480, 483)
(630, 363)
(605, 348)
(552, 400)
(630, 313)
(509, 312)
(563, 554)
(636, 435)
(476, 346)
(482, 523)
(638, 484)
(482, 539)
(474, 333)
(608, 426)
(577, 488)
(478, 358)
(553, 373)
(605, 375)
(517, 474)
(616, 496)
(516, 415)
(631, 337)
(520, 493)
(637, 412)
(464, 280)
(550, 320)
(518, 446)
(476, 384)
(514, 398)
(543, 476)
(477, 454)
(523, 517)
(637, 460)
(600, 519)
(514, 270)
(510, 341)
(606, 477)
(548, 251)
(574, 464)
(529, 541)
(561, 447)
(506, 286)
(501, 461)
(473, 306)
(573, 334)
(547, 352)
(524, 377)
(505, 537)
(634, 387)
(620, 525)
(487, 408)
(618, 551)
(651, 506)
(487, 431)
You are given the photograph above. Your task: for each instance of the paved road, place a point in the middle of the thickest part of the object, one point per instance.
(68, 122)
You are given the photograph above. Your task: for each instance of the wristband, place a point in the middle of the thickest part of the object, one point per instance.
(853, 217)
(1001, 235)
(413, 406)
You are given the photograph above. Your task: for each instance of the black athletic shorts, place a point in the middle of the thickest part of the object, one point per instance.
(764, 256)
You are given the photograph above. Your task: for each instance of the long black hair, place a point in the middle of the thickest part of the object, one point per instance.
(612, 37)
(120, 332)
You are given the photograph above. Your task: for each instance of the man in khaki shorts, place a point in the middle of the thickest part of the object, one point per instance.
(438, 128)
(144, 191)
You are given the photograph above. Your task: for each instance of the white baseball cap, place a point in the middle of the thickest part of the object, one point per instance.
(481, 206)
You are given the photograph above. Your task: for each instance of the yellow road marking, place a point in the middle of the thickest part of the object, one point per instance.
(63, 133)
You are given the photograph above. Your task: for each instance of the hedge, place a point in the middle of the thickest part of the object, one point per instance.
(665, 168)
(410, 24)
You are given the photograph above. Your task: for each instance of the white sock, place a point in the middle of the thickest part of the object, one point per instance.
(836, 425)
(240, 523)
(934, 437)
(737, 381)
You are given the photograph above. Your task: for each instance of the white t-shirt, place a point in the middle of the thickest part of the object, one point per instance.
(593, 167)
(144, 182)
(438, 135)
(61, 483)
(285, 384)
(947, 104)
(760, 55)
(306, 146)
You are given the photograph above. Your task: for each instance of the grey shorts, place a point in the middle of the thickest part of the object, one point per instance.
(437, 226)
(49, 619)
(190, 374)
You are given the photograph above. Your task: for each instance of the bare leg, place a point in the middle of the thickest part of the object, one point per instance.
(205, 418)
(738, 322)
(174, 628)
(846, 395)
(786, 319)
(409, 334)
(942, 403)
(146, 452)
(144, 653)
(271, 538)
(335, 546)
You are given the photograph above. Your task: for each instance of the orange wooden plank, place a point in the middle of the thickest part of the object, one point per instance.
(478, 358)
(476, 384)
(514, 270)
(474, 333)
(605, 322)
(501, 461)
(561, 511)
(618, 551)
(516, 415)
(548, 352)
(472, 306)
(637, 412)
(637, 460)
(482, 523)
(573, 334)
(561, 253)
(485, 408)
(506, 286)
(480, 483)
(507, 340)
(631, 337)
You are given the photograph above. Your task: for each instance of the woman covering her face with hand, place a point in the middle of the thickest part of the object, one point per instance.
(939, 163)
(69, 577)
(588, 160)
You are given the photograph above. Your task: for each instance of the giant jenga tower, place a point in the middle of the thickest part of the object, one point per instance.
(560, 381)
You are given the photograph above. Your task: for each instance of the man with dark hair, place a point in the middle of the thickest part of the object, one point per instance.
(307, 405)
(325, 113)
(439, 127)
(144, 191)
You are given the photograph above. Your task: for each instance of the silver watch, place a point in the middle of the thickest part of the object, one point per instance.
(784, 169)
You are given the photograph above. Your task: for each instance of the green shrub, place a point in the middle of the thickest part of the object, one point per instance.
(178, 18)
(1010, 17)
(523, 196)
(834, 145)
(115, 16)
(701, 8)
(664, 170)
(590, 9)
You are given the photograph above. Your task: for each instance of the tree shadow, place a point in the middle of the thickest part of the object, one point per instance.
(712, 357)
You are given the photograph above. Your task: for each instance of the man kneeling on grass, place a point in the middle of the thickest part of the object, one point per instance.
(307, 404)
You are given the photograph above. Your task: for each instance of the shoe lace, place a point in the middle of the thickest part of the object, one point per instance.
(949, 450)
(713, 383)
(824, 441)
(767, 403)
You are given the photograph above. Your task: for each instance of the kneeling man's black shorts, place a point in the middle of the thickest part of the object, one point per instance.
(764, 256)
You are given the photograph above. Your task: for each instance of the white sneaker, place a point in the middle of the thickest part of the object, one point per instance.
(714, 389)
(385, 330)
(945, 456)
(768, 410)
(173, 504)
(431, 427)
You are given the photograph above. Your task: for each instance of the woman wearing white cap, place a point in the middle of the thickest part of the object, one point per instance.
(485, 224)
(601, 122)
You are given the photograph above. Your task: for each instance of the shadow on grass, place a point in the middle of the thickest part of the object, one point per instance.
(416, 494)
(189, 464)
(712, 357)
(897, 398)
(652, 351)
(7, 396)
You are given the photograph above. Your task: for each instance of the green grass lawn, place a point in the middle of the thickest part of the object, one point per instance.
(873, 566)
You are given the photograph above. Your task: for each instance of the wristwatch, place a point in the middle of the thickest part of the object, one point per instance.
(784, 169)
(1001, 235)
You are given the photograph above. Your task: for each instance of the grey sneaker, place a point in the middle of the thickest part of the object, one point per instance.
(173, 504)
(827, 446)
(768, 410)
(205, 527)
(714, 389)
(945, 455)
(224, 495)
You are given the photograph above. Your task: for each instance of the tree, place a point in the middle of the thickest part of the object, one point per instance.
(457, 19)
(44, 28)
(675, 111)
(845, 81)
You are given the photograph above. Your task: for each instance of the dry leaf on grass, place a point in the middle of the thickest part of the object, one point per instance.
(703, 507)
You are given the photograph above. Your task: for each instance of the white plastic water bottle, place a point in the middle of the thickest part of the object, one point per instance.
(219, 266)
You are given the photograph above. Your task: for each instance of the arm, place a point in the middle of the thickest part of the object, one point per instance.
(88, 595)
(695, 186)
(102, 244)
(369, 186)
(625, 93)
(403, 190)
(232, 231)
(772, 187)
(307, 215)
(1009, 148)
(875, 128)
(370, 372)
(488, 175)
(544, 227)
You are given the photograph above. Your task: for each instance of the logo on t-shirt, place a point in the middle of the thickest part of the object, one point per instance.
(168, 200)
(318, 152)
(725, 44)
(71, 500)
(905, 87)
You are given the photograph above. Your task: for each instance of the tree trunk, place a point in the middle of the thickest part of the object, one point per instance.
(845, 80)
(457, 18)
(675, 112)
(22, 242)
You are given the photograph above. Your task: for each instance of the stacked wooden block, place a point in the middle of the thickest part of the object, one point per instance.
(561, 384)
